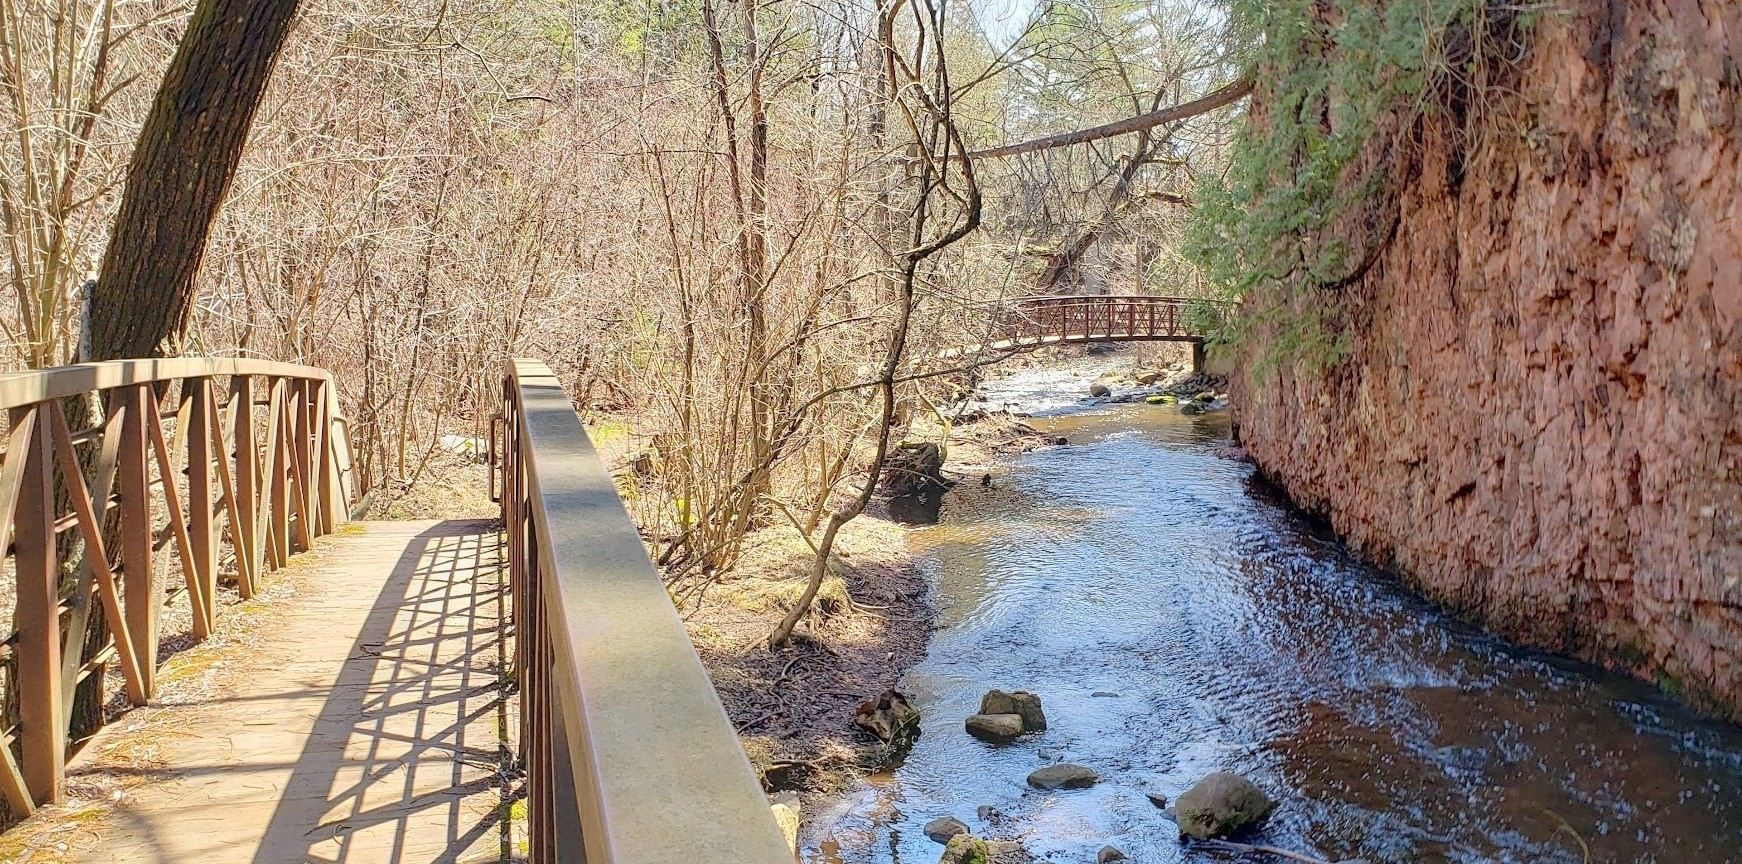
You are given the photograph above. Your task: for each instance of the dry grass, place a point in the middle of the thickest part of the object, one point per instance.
(793, 707)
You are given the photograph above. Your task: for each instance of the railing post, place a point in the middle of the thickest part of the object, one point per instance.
(139, 579)
(202, 531)
(41, 701)
(247, 456)
(278, 472)
(332, 505)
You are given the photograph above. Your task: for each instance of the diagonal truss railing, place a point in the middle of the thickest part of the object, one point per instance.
(116, 476)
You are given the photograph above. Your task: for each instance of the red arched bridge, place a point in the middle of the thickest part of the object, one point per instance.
(416, 691)
(1023, 323)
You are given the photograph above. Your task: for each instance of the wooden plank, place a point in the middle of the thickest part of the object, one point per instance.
(96, 557)
(139, 579)
(41, 713)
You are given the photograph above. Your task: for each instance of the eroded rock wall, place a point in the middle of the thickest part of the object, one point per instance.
(1541, 421)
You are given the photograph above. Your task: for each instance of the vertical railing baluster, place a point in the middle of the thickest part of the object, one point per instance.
(196, 431)
(41, 702)
(296, 423)
(247, 477)
(326, 469)
(277, 475)
(139, 579)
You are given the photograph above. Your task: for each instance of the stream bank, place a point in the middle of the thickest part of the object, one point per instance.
(1178, 618)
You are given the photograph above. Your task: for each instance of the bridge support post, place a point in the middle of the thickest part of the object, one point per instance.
(1197, 357)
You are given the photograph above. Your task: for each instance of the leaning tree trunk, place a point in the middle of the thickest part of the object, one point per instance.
(182, 165)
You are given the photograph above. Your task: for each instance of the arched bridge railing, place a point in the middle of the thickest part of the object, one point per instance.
(630, 758)
(123, 487)
(1102, 318)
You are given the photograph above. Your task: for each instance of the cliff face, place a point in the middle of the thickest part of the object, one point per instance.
(1541, 420)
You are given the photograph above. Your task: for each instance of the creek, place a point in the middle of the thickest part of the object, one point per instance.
(1237, 635)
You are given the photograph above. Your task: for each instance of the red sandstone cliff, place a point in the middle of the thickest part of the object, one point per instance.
(1541, 421)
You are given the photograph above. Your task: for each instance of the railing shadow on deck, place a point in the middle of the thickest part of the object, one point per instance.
(414, 723)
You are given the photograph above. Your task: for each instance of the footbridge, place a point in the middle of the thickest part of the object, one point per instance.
(206, 659)
(1025, 323)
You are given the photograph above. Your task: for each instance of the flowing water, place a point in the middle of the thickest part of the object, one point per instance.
(1177, 620)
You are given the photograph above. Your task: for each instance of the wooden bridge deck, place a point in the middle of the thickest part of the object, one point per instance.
(365, 724)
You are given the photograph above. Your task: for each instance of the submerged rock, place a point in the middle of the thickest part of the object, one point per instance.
(1221, 805)
(941, 830)
(1064, 775)
(889, 716)
(995, 728)
(1191, 409)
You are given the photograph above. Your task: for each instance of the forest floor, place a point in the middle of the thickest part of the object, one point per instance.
(793, 707)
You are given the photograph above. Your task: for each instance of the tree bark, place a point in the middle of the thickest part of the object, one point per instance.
(181, 168)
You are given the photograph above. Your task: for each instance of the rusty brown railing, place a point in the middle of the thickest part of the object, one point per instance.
(629, 757)
(107, 467)
(1091, 318)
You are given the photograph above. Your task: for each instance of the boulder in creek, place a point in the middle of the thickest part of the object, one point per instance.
(1099, 389)
(1221, 805)
(995, 728)
(1148, 376)
(1020, 702)
(1191, 409)
(1108, 855)
(889, 716)
(966, 849)
(941, 830)
(785, 808)
(1064, 775)
(1158, 799)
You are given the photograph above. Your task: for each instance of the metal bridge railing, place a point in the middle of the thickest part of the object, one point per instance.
(1101, 318)
(234, 464)
(630, 757)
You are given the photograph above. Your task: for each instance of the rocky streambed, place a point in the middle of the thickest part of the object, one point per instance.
(1177, 620)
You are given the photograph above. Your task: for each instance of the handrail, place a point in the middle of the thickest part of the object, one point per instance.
(630, 757)
(80, 507)
(1096, 318)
